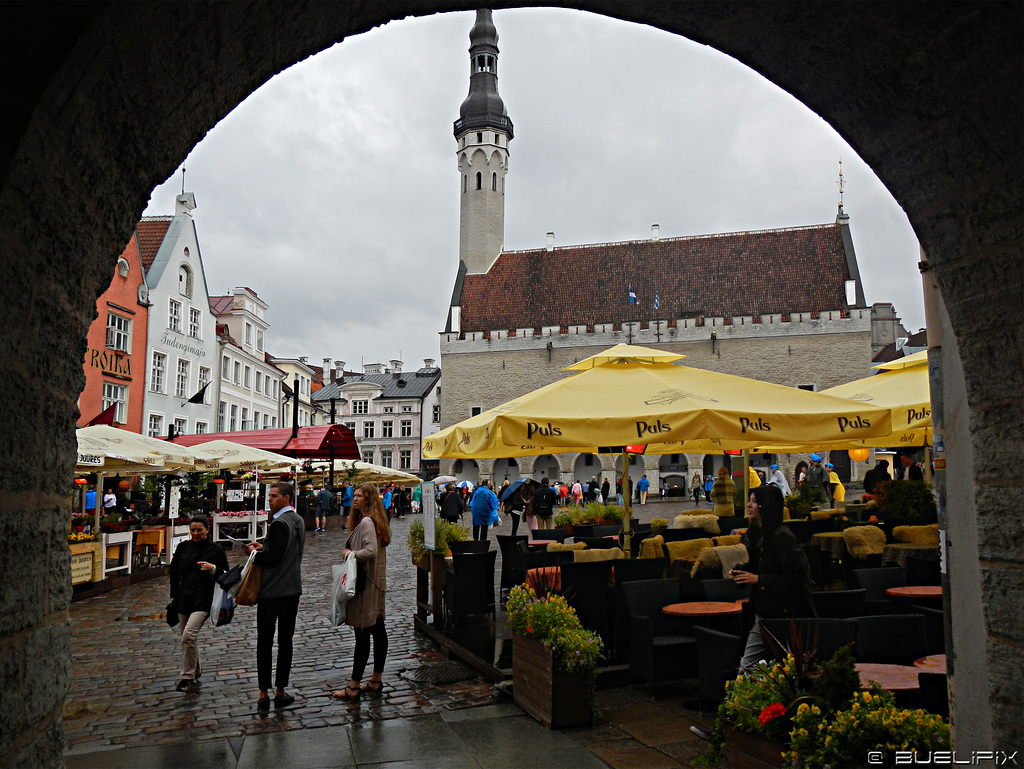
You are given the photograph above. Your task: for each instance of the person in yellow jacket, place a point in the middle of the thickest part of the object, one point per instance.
(754, 476)
(838, 490)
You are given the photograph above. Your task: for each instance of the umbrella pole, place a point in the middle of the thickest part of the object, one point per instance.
(99, 505)
(628, 497)
(746, 476)
(928, 464)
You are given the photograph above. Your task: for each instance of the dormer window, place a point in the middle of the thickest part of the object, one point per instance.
(122, 267)
(185, 281)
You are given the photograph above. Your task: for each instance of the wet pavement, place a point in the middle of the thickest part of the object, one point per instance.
(122, 708)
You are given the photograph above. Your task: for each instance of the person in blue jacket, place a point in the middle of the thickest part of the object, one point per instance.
(484, 507)
(346, 500)
(386, 499)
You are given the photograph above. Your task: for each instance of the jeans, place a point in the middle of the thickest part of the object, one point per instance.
(362, 651)
(275, 614)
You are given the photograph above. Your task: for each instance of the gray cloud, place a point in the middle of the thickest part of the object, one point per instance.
(333, 191)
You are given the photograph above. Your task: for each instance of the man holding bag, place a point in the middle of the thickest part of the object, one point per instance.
(280, 561)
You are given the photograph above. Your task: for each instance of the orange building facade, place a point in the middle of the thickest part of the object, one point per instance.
(115, 355)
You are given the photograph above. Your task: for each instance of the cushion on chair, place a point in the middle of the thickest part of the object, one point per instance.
(728, 539)
(821, 515)
(704, 521)
(688, 549)
(863, 541)
(588, 556)
(707, 560)
(724, 557)
(561, 547)
(917, 535)
(653, 547)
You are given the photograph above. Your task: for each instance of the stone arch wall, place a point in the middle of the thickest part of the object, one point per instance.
(938, 121)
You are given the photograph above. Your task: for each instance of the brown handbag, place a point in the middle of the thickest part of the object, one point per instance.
(249, 590)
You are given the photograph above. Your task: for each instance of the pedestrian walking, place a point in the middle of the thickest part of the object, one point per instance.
(324, 498)
(544, 502)
(364, 612)
(196, 562)
(277, 607)
(696, 487)
(642, 486)
(483, 506)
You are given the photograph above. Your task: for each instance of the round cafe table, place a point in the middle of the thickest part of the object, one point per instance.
(915, 591)
(893, 678)
(541, 542)
(933, 663)
(702, 609)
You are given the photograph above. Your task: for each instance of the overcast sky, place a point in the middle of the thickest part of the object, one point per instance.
(333, 191)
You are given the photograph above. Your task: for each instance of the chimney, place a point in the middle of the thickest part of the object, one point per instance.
(339, 371)
(551, 241)
(428, 363)
(655, 232)
(302, 359)
(396, 366)
(327, 372)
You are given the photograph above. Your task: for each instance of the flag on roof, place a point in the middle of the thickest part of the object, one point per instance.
(657, 302)
(632, 294)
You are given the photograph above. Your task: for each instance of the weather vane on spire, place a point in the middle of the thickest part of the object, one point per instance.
(840, 186)
(183, 181)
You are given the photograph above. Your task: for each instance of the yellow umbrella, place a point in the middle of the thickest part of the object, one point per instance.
(626, 353)
(630, 402)
(902, 386)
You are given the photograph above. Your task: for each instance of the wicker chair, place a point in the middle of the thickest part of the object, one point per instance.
(821, 635)
(876, 582)
(659, 650)
(933, 694)
(587, 588)
(470, 546)
(839, 603)
(630, 571)
(934, 627)
(923, 571)
(598, 543)
(512, 571)
(469, 588)
(896, 639)
(718, 659)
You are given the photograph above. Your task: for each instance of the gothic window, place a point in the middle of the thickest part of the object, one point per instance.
(479, 137)
(479, 181)
(465, 182)
(494, 181)
(184, 281)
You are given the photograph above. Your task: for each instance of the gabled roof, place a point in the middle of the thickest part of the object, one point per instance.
(798, 269)
(151, 232)
(221, 305)
(412, 384)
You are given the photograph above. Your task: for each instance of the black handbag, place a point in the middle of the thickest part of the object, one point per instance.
(172, 614)
(231, 577)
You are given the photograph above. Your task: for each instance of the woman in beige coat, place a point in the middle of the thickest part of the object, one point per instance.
(368, 540)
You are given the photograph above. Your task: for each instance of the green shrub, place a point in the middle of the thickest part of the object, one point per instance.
(444, 532)
(905, 499)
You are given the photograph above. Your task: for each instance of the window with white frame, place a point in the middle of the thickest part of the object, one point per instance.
(245, 419)
(259, 381)
(248, 333)
(117, 396)
(222, 415)
(389, 409)
(248, 377)
(367, 429)
(406, 409)
(406, 428)
(405, 459)
(368, 456)
(312, 418)
(181, 382)
(437, 414)
(259, 340)
(180, 426)
(195, 323)
(387, 429)
(237, 379)
(233, 425)
(174, 315)
(266, 421)
(202, 428)
(184, 281)
(255, 420)
(360, 407)
(119, 332)
(157, 372)
(351, 426)
(156, 425)
(225, 368)
(385, 458)
(273, 421)
(204, 380)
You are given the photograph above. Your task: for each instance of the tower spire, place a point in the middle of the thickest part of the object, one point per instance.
(482, 133)
(841, 190)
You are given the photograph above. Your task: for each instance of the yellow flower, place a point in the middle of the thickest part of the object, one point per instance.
(867, 696)
(804, 707)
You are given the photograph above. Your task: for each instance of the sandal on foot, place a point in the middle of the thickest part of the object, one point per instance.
(372, 688)
(347, 693)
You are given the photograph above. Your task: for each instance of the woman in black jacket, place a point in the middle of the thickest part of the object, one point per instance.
(451, 505)
(195, 564)
(777, 570)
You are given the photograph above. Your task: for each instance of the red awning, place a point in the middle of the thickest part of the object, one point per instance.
(309, 443)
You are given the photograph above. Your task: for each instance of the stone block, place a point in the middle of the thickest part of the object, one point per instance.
(1001, 589)
(47, 670)
(999, 535)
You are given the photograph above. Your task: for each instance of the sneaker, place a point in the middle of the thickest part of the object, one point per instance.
(184, 685)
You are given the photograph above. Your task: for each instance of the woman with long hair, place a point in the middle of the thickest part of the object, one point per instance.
(369, 536)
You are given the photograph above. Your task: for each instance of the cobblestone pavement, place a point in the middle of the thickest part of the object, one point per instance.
(125, 664)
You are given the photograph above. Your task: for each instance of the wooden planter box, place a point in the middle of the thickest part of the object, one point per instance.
(85, 563)
(740, 743)
(557, 699)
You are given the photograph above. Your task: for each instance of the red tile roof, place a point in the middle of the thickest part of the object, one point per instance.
(221, 305)
(801, 269)
(151, 234)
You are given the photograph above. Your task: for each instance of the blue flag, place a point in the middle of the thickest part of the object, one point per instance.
(657, 302)
(632, 294)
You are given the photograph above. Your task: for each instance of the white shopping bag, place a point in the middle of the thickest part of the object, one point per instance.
(343, 587)
(223, 607)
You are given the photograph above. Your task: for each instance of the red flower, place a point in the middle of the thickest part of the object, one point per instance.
(771, 712)
(529, 629)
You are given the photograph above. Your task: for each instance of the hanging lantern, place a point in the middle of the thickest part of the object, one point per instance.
(218, 481)
(859, 455)
(124, 485)
(81, 481)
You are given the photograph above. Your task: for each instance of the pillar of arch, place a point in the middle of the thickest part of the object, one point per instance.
(79, 159)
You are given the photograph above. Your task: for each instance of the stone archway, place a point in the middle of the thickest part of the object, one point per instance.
(103, 106)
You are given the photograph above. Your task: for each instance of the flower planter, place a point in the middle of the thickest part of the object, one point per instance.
(755, 745)
(85, 562)
(556, 699)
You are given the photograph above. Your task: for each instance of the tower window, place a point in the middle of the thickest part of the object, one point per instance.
(494, 181)
(479, 137)
(465, 183)
(479, 181)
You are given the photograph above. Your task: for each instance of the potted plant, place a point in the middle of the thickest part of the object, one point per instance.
(444, 532)
(906, 500)
(658, 525)
(554, 659)
(566, 517)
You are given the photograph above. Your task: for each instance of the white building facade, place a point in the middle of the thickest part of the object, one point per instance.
(310, 413)
(181, 387)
